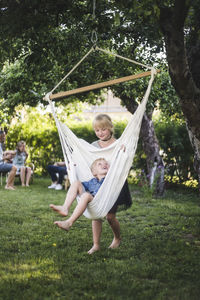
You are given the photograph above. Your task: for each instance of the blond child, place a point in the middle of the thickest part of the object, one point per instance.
(19, 161)
(86, 190)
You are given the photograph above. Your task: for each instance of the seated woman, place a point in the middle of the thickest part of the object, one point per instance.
(19, 161)
(57, 171)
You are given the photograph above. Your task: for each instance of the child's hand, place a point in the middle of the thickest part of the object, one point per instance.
(123, 148)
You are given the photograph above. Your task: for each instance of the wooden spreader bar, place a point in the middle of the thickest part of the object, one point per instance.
(99, 85)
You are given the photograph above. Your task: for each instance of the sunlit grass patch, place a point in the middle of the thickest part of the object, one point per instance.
(31, 269)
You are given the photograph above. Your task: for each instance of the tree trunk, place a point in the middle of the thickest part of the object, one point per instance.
(196, 146)
(172, 25)
(155, 165)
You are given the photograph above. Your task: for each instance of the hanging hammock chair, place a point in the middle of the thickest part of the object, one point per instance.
(79, 154)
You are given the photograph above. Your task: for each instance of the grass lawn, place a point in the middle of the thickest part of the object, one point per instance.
(159, 257)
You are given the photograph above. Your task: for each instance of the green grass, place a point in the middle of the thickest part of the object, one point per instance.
(159, 257)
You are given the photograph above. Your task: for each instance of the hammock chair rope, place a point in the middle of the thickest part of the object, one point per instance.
(67, 75)
(101, 84)
(124, 58)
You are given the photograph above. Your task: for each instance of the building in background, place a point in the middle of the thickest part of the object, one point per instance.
(111, 106)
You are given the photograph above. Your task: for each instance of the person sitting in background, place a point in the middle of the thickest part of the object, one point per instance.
(6, 163)
(19, 161)
(57, 171)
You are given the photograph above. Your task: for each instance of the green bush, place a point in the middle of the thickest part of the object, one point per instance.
(42, 139)
(177, 149)
(43, 144)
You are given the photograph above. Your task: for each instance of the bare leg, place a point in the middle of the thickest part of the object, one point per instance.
(96, 231)
(22, 175)
(75, 189)
(79, 210)
(111, 218)
(28, 175)
(11, 178)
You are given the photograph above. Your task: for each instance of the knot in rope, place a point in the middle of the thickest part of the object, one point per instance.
(94, 37)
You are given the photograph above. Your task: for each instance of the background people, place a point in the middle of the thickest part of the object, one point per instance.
(6, 162)
(57, 171)
(19, 161)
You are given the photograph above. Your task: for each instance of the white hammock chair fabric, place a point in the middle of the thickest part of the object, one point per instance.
(79, 155)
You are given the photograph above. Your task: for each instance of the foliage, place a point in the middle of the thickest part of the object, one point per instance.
(143, 181)
(164, 98)
(45, 39)
(39, 131)
(41, 136)
(5, 117)
(175, 181)
(159, 257)
(176, 147)
(36, 61)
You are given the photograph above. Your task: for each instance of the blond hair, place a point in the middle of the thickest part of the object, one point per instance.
(93, 165)
(103, 121)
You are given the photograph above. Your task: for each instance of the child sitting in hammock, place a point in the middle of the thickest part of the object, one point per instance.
(86, 190)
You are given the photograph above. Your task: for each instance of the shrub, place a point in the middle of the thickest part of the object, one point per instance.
(177, 149)
(42, 139)
(43, 144)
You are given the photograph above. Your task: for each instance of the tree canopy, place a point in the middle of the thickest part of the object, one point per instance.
(41, 40)
(50, 37)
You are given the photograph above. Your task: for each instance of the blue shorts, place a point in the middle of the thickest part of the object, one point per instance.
(5, 167)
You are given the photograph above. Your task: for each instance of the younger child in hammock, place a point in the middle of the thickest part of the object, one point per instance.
(86, 190)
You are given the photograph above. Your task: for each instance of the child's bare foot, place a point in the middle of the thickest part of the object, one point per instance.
(63, 224)
(60, 209)
(23, 184)
(94, 249)
(9, 187)
(27, 185)
(115, 243)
